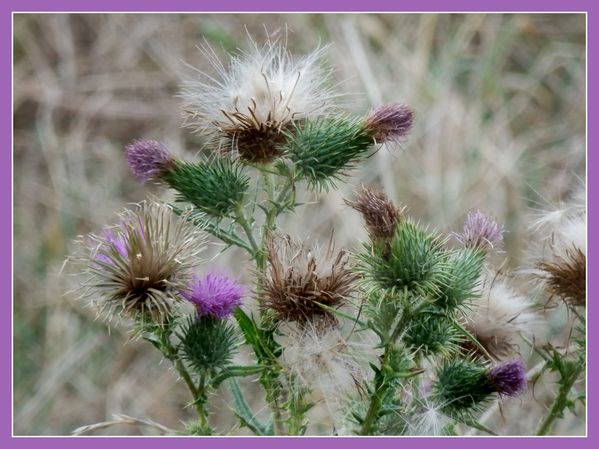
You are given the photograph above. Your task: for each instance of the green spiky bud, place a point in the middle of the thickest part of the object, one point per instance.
(412, 259)
(207, 343)
(431, 334)
(462, 277)
(324, 149)
(462, 385)
(214, 187)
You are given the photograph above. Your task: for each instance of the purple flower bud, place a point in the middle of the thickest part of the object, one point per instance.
(214, 295)
(148, 159)
(390, 122)
(481, 231)
(509, 378)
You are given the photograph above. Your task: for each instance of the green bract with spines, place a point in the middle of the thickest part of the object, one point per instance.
(462, 278)
(324, 148)
(462, 386)
(382, 310)
(413, 259)
(207, 343)
(213, 186)
(431, 333)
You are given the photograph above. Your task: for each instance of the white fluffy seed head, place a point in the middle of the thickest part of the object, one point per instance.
(560, 229)
(259, 92)
(429, 422)
(322, 359)
(499, 316)
(571, 233)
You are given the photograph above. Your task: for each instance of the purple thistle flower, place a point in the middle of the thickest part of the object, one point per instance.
(148, 159)
(389, 122)
(111, 241)
(481, 231)
(509, 378)
(214, 295)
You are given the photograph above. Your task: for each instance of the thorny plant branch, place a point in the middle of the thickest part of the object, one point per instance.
(381, 384)
(276, 204)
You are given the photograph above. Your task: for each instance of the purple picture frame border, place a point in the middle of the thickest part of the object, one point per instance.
(8, 7)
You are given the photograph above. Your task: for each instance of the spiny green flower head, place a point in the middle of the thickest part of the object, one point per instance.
(207, 343)
(431, 333)
(461, 279)
(412, 259)
(213, 186)
(464, 385)
(324, 149)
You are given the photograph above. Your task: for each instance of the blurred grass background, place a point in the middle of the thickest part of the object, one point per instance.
(500, 126)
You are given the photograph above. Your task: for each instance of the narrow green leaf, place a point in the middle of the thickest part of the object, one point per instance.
(235, 371)
(244, 412)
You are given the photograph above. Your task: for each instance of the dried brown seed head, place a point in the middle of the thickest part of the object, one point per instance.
(299, 279)
(566, 276)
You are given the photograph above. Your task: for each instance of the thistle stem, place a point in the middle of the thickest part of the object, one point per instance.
(560, 402)
(257, 252)
(382, 384)
(198, 393)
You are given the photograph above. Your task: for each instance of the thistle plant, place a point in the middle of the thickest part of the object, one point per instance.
(408, 328)
(560, 266)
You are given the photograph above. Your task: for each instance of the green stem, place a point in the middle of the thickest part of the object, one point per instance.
(256, 251)
(270, 376)
(198, 393)
(228, 237)
(382, 385)
(560, 402)
(200, 403)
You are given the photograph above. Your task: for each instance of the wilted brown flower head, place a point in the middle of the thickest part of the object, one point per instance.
(566, 276)
(299, 279)
(561, 263)
(139, 267)
(379, 213)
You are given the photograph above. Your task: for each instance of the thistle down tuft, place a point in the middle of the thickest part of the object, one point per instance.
(256, 96)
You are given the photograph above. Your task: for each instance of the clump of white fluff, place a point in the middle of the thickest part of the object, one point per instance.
(561, 229)
(499, 316)
(327, 362)
(429, 422)
(263, 86)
